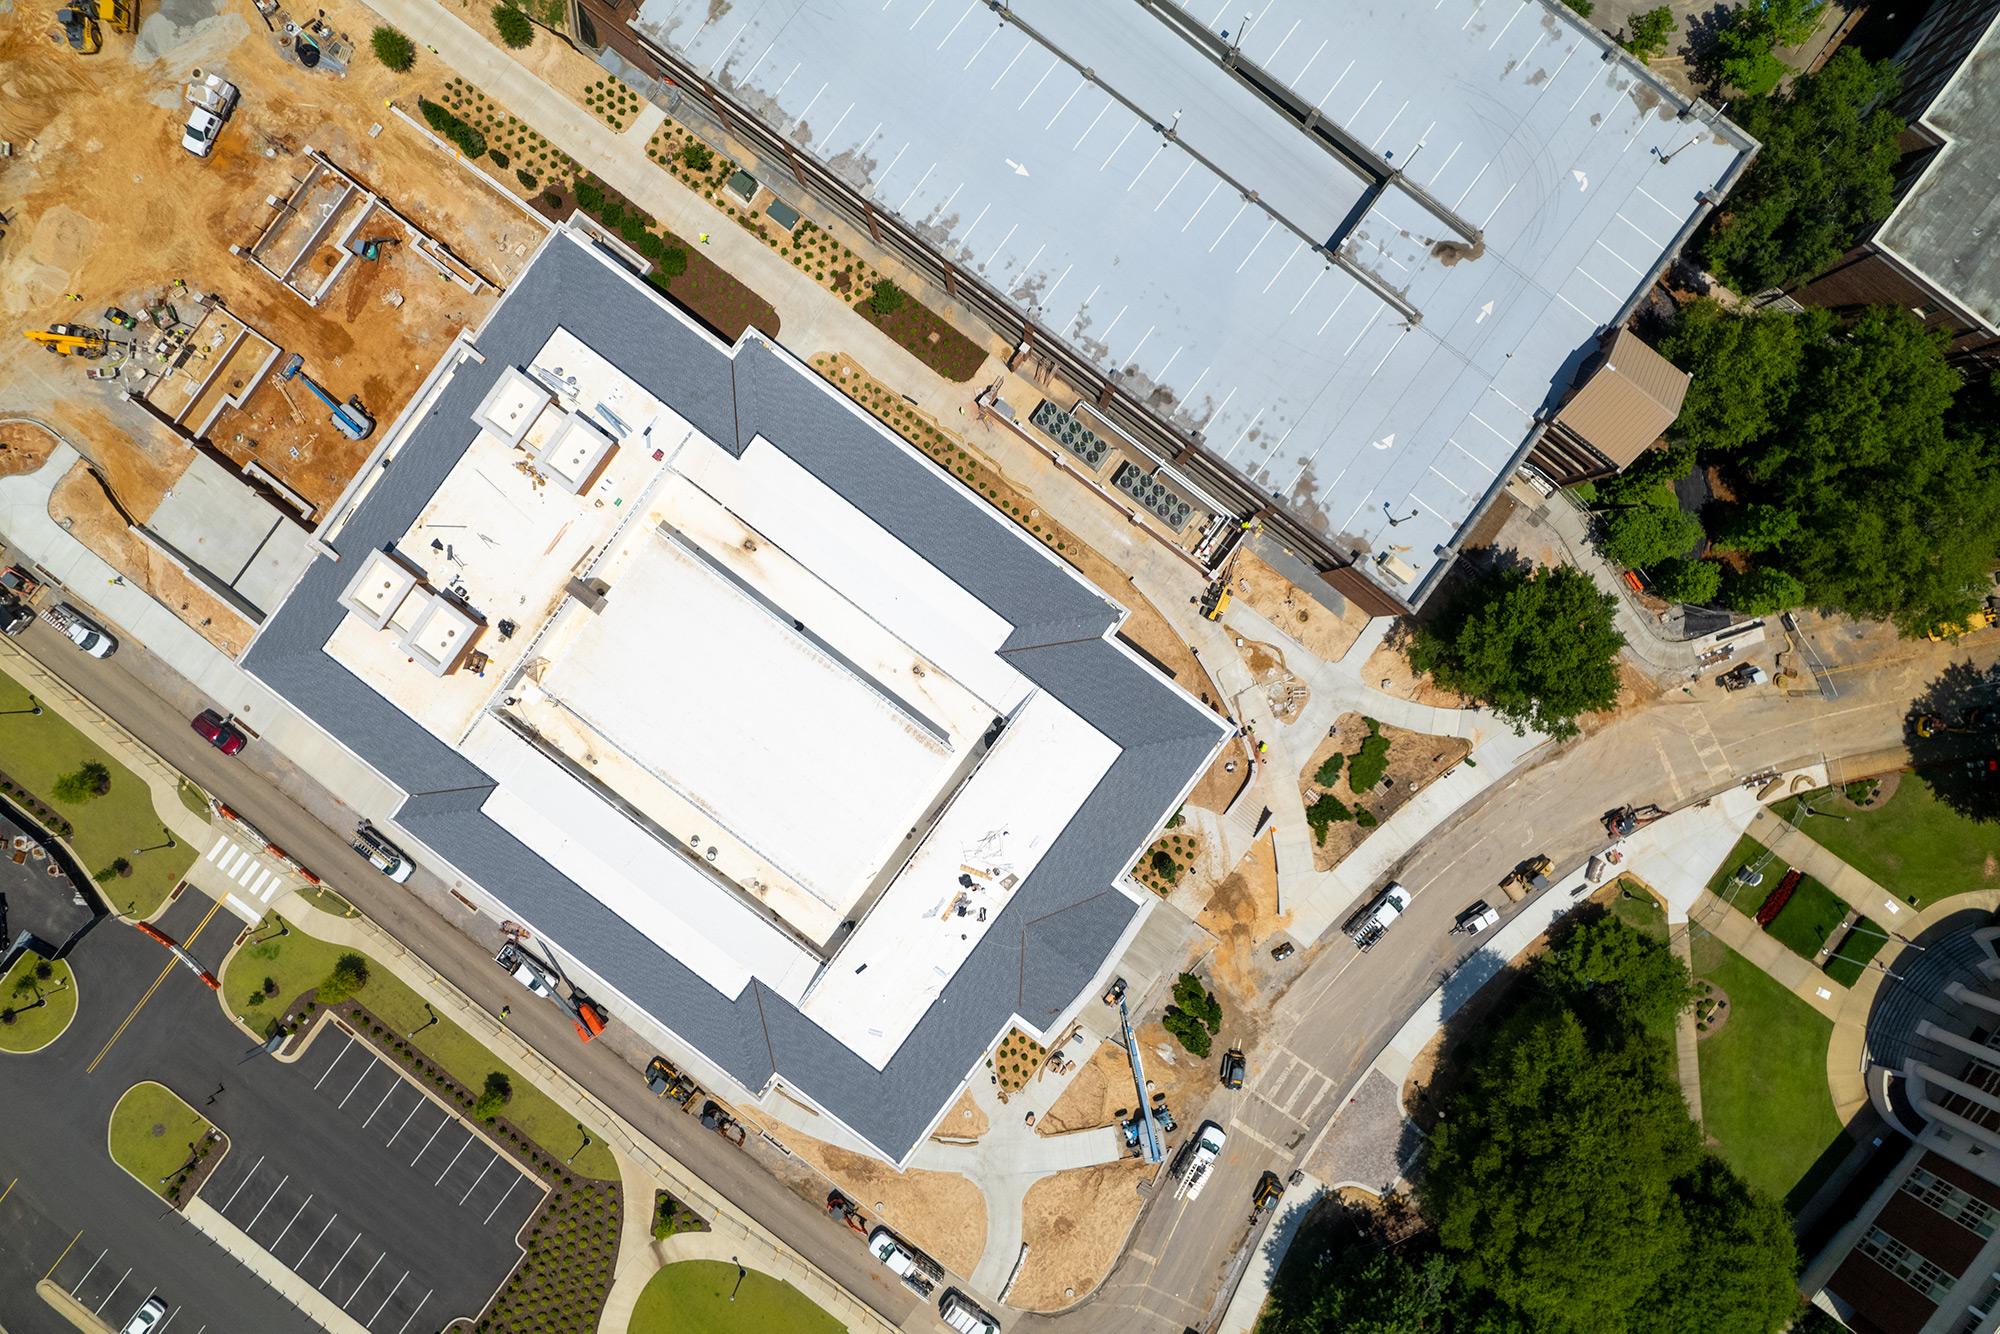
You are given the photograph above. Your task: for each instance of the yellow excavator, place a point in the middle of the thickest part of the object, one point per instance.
(83, 22)
(73, 340)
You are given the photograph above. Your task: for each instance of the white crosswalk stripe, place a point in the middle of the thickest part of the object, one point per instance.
(260, 881)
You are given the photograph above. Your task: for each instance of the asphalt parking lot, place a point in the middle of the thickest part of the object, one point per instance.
(409, 1224)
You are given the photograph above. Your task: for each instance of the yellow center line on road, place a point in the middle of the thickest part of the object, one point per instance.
(65, 1255)
(171, 965)
(10, 1188)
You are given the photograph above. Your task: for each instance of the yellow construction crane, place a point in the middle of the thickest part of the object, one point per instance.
(73, 340)
(83, 22)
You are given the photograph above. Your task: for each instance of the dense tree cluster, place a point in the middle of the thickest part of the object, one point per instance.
(1538, 647)
(1567, 1187)
(1825, 173)
(1866, 473)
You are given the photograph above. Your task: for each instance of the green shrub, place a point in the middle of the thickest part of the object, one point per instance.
(514, 27)
(498, 1090)
(500, 159)
(1187, 1030)
(1164, 866)
(527, 178)
(1325, 813)
(674, 262)
(91, 779)
(349, 975)
(696, 156)
(393, 49)
(1327, 773)
(886, 298)
(1194, 998)
(1366, 819)
(1365, 770)
(468, 140)
(589, 195)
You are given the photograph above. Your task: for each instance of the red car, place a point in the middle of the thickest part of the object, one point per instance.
(213, 728)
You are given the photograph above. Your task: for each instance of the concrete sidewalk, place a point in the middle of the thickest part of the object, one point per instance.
(1797, 848)
(1741, 933)
(1687, 1038)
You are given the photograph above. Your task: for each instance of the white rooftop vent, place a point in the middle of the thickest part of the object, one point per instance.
(440, 635)
(575, 453)
(512, 405)
(378, 588)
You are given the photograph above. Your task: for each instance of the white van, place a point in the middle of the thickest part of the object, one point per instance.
(962, 1315)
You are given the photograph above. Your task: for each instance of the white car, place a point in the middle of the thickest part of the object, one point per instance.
(213, 98)
(147, 1318)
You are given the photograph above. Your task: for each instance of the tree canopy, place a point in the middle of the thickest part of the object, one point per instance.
(1745, 57)
(1825, 173)
(1540, 648)
(1868, 480)
(1637, 536)
(1569, 1188)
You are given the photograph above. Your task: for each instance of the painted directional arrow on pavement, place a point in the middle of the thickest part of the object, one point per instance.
(1582, 181)
(1385, 441)
(1019, 170)
(1484, 311)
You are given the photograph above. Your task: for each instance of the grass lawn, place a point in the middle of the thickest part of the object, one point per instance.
(693, 1297)
(1749, 898)
(36, 750)
(194, 799)
(1763, 1074)
(1913, 845)
(1854, 951)
(153, 1133)
(1811, 915)
(36, 1026)
(1640, 911)
(297, 963)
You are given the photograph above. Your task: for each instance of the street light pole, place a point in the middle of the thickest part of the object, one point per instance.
(739, 1277)
(156, 847)
(34, 707)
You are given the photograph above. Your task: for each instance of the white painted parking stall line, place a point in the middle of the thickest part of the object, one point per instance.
(1093, 125)
(1479, 462)
(1175, 186)
(364, 1280)
(953, 30)
(406, 1121)
(1641, 230)
(1620, 258)
(114, 1288)
(427, 1143)
(241, 1184)
(502, 1200)
(337, 1058)
(1064, 107)
(394, 1084)
(365, 1072)
(469, 1137)
(1038, 86)
(413, 1314)
(386, 1300)
(267, 1203)
(338, 1263)
(273, 1247)
(307, 1253)
(1008, 68)
(476, 1180)
(1202, 205)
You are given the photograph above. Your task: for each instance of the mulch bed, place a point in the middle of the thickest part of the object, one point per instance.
(928, 338)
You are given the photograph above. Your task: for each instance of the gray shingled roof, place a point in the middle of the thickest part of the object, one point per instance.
(1062, 921)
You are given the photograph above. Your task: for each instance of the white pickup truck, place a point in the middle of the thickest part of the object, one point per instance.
(81, 631)
(214, 97)
(914, 1268)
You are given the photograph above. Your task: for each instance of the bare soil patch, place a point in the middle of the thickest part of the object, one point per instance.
(1015, 1061)
(1284, 692)
(966, 1120)
(1174, 856)
(941, 1213)
(1388, 668)
(1415, 761)
(23, 448)
(79, 498)
(1096, 1096)
(1074, 1224)
(1243, 917)
(1290, 608)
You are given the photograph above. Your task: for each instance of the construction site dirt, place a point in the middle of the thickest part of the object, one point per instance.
(104, 208)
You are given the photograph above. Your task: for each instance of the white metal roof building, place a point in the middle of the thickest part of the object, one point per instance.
(786, 740)
(1356, 249)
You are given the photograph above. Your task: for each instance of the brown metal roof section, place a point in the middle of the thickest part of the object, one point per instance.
(1628, 402)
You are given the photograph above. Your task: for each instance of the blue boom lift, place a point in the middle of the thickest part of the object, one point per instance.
(348, 418)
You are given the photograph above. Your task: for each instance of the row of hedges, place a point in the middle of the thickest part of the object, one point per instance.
(469, 141)
(634, 226)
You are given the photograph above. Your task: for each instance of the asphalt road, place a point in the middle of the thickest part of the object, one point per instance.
(1343, 1007)
(292, 810)
(1333, 1020)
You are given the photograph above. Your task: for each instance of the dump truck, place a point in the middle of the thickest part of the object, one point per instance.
(1376, 916)
(1197, 1159)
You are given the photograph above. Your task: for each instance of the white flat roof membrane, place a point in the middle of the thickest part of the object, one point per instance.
(894, 966)
(748, 719)
(1214, 305)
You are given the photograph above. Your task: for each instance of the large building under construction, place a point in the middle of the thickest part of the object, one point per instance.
(792, 749)
(1337, 264)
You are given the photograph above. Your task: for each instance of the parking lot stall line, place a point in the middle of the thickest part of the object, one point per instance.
(266, 1204)
(386, 1300)
(476, 1180)
(414, 1314)
(454, 1159)
(364, 1280)
(307, 1253)
(241, 1184)
(114, 1289)
(502, 1200)
(337, 1263)
(93, 1266)
(406, 1122)
(337, 1057)
(393, 1086)
(365, 1072)
(286, 1230)
(427, 1143)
